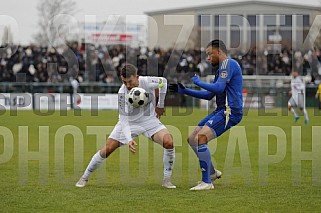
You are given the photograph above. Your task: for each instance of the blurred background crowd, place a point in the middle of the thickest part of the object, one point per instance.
(89, 63)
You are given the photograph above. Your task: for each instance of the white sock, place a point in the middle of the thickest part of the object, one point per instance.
(168, 160)
(305, 114)
(294, 112)
(95, 162)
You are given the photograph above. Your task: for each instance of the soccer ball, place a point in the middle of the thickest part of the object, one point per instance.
(138, 97)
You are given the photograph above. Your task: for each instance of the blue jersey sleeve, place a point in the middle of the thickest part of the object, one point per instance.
(203, 94)
(224, 77)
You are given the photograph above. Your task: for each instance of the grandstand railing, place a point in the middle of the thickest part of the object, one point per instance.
(265, 90)
(48, 87)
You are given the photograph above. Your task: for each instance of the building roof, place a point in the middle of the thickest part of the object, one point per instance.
(311, 4)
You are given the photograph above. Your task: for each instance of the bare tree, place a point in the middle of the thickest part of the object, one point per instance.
(48, 11)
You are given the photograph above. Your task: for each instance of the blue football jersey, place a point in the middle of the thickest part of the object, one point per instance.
(227, 86)
(229, 75)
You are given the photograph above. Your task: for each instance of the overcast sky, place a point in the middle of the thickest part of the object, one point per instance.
(24, 13)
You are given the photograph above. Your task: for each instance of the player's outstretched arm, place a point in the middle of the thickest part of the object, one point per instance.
(216, 88)
(123, 115)
(181, 89)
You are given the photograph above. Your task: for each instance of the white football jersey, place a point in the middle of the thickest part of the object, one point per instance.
(128, 115)
(297, 87)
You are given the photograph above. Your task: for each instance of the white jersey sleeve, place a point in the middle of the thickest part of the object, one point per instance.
(124, 113)
(161, 84)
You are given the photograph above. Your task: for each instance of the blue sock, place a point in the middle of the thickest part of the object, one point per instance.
(212, 171)
(204, 157)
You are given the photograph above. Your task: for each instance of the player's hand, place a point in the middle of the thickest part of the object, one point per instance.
(159, 112)
(196, 79)
(172, 87)
(131, 145)
(179, 87)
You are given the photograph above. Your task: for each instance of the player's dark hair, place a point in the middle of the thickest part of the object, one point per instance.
(128, 70)
(218, 44)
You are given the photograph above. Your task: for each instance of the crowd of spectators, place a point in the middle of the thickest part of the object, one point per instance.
(89, 63)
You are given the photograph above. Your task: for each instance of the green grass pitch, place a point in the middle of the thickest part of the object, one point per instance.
(261, 165)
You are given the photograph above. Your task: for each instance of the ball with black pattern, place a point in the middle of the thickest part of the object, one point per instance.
(137, 97)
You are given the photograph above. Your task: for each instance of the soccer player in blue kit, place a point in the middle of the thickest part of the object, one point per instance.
(227, 87)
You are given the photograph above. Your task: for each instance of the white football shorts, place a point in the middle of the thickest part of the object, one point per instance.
(297, 101)
(148, 128)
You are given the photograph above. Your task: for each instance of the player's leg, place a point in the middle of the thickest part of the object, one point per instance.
(164, 138)
(292, 103)
(110, 146)
(194, 145)
(115, 140)
(204, 156)
(302, 108)
(305, 113)
(192, 141)
(213, 128)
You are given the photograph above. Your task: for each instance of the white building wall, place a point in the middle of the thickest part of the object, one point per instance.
(167, 35)
(171, 30)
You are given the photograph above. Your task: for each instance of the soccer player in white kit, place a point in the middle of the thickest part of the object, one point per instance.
(297, 98)
(136, 121)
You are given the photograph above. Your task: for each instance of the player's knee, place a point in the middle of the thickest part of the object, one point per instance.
(106, 150)
(201, 139)
(192, 140)
(168, 142)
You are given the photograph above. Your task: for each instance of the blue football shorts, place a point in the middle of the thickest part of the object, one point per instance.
(217, 121)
